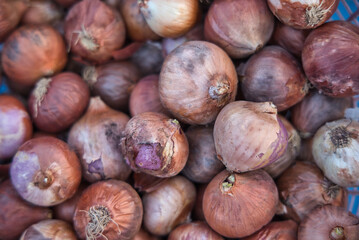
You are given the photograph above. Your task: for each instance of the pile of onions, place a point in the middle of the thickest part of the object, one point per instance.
(285, 230)
(249, 136)
(42, 12)
(194, 230)
(10, 16)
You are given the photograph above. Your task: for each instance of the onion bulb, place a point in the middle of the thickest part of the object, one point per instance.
(42, 12)
(10, 16)
(284, 230)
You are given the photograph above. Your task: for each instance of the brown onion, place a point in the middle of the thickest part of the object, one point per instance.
(284, 230)
(108, 209)
(149, 58)
(329, 222)
(240, 27)
(42, 12)
(236, 205)
(147, 183)
(93, 30)
(45, 171)
(328, 56)
(33, 52)
(17, 214)
(169, 205)
(195, 231)
(315, 110)
(197, 80)
(303, 14)
(96, 138)
(303, 187)
(113, 82)
(198, 209)
(49, 229)
(155, 144)
(249, 136)
(10, 15)
(15, 126)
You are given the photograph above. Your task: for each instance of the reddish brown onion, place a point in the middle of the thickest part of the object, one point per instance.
(195, 231)
(10, 16)
(284, 230)
(42, 12)
(147, 183)
(149, 58)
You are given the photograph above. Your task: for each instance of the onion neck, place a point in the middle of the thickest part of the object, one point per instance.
(97, 105)
(337, 233)
(315, 14)
(39, 93)
(220, 89)
(228, 183)
(43, 180)
(89, 74)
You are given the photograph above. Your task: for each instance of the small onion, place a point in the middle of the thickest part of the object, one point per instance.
(236, 205)
(10, 16)
(148, 58)
(195, 231)
(41, 12)
(169, 205)
(284, 230)
(147, 183)
(249, 136)
(336, 150)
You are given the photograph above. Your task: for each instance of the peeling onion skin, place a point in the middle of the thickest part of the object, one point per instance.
(155, 144)
(196, 81)
(329, 222)
(237, 205)
(284, 230)
(273, 74)
(249, 136)
(329, 56)
(195, 231)
(303, 14)
(10, 16)
(45, 172)
(336, 149)
(95, 139)
(169, 205)
(240, 27)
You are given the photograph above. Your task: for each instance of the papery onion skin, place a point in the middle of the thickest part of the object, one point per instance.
(323, 222)
(45, 171)
(26, 58)
(17, 214)
(149, 58)
(195, 231)
(169, 205)
(240, 27)
(328, 56)
(197, 80)
(236, 205)
(15, 126)
(42, 12)
(119, 201)
(96, 138)
(305, 14)
(10, 16)
(249, 136)
(336, 149)
(284, 230)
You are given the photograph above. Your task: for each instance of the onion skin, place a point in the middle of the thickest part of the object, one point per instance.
(10, 16)
(94, 30)
(95, 139)
(284, 230)
(15, 126)
(45, 171)
(148, 58)
(197, 80)
(335, 150)
(240, 27)
(42, 12)
(121, 202)
(155, 144)
(315, 110)
(169, 205)
(247, 149)
(236, 205)
(304, 14)
(26, 58)
(195, 231)
(266, 68)
(331, 217)
(16, 213)
(328, 56)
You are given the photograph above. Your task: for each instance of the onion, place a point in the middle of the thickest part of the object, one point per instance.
(95, 138)
(198, 209)
(194, 230)
(42, 12)
(328, 56)
(147, 183)
(127, 51)
(240, 27)
(303, 14)
(329, 222)
(110, 210)
(148, 58)
(10, 16)
(335, 151)
(169, 205)
(284, 230)
(249, 136)
(236, 205)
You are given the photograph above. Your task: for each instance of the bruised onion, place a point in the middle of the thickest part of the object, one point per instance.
(197, 80)
(147, 183)
(240, 27)
(329, 222)
(41, 12)
(148, 58)
(96, 138)
(284, 230)
(335, 151)
(249, 136)
(17, 214)
(32, 52)
(45, 171)
(236, 205)
(110, 210)
(169, 205)
(303, 187)
(15, 126)
(328, 56)
(303, 14)
(11, 12)
(93, 30)
(195, 231)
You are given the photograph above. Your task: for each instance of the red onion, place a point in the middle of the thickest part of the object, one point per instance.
(10, 16)
(148, 58)
(42, 12)
(284, 230)
(147, 183)
(194, 230)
